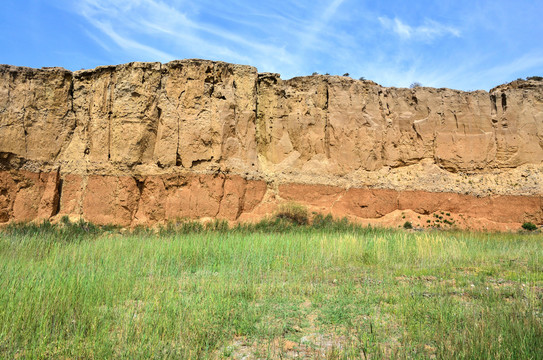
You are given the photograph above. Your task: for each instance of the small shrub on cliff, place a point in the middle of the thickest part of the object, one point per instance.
(415, 85)
(294, 213)
(536, 78)
(529, 226)
(328, 223)
(320, 221)
(407, 225)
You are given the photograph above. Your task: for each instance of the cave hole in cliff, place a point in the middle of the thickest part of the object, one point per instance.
(140, 184)
(5, 159)
(493, 104)
(504, 102)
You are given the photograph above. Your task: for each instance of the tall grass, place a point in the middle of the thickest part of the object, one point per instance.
(334, 289)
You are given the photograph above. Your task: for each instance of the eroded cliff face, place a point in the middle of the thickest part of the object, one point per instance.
(143, 143)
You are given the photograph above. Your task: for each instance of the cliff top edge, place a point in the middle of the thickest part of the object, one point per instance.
(532, 82)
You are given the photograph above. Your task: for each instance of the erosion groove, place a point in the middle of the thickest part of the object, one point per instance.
(142, 143)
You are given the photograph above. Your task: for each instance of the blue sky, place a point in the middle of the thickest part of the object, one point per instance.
(458, 44)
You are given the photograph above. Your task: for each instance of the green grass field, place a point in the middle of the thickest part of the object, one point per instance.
(268, 291)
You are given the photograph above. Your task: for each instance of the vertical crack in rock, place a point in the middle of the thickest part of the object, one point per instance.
(255, 119)
(256, 104)
(59, 190)
(152, 118)
(241, 205)
(504, 102)
(178, 160)
(213, 79)
(58, 193)
(456, 121)
(327, 122)
(110, 90)
(140, 184)
(25, 132)
(382, 102)
(419, 136)
(493, 107)
(258, 121)
(83, 189)
(50, 198)
(214, 82)
(69, 111)
(71, 92)
(221, 196)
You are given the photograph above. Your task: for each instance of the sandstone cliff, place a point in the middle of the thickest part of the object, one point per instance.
(148, 142)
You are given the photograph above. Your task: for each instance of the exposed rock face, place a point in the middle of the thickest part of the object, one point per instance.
(142, 143)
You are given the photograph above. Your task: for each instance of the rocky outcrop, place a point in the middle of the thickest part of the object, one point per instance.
(142, 143)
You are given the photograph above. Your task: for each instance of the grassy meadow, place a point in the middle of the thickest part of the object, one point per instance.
(272, 290)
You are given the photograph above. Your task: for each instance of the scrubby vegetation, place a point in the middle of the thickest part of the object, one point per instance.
(529, 226)
(294, 213)
(274, 289)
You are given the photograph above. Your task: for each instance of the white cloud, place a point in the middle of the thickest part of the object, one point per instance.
(129, 44)
(428, 31)
(302, 36)
(317, 26)
(160, 23)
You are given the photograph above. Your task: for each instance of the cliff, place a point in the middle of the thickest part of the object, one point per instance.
(142, 143)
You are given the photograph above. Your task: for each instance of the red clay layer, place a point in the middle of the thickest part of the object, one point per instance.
(125, 200)
(375, 203)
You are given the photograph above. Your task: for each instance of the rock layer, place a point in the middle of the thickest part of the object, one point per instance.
(142, 143)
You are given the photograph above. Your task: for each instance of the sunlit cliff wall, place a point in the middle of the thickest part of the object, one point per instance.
(143, 143)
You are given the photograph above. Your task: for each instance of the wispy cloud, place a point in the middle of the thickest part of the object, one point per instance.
(394, 43)
(506, 71)
(311, 33)
(158, 22)
(129, 44)
(429, 30)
